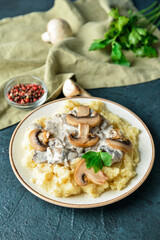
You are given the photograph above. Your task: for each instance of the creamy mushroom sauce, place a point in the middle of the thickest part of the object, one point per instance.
(60, 150)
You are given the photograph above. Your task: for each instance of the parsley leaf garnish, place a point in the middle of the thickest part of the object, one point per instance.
(97, 44)
(114, 13)
(145, 51)
(130, 33)
(136, 35)
(117, 55)
(97, 160)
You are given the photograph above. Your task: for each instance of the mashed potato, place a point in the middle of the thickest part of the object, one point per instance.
(59, 180)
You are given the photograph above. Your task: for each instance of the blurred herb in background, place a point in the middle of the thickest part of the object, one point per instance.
(134, 33)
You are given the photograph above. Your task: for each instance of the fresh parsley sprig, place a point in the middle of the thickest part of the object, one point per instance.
(130, 33)
(97, 160)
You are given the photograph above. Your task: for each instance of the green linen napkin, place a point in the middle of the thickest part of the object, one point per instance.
(22, 52)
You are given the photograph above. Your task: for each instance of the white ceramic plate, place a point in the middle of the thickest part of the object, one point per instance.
(146, 148)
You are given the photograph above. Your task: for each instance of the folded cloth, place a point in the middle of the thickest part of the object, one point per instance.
(23, 52)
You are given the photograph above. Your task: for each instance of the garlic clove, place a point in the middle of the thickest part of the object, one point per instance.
(70, 89)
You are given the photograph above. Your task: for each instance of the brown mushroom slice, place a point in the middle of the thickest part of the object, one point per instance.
(82, 173)
(92, 121)
(122, 144)
(84, 139)
(38, 139)
(118, 134)
(83, 111)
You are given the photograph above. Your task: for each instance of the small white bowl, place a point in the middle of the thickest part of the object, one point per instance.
(27, 79)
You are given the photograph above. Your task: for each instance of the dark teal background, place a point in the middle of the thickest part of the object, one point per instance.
(137, 217)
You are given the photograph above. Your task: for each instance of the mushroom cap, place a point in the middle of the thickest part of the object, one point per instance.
(83, 111)
(82, 173)
(85, 139)
(38, 139)
(70, 88)
(124, 145)
(118, 141)
(58, 29)
(93, 121)
(83, 120)
(83, 142)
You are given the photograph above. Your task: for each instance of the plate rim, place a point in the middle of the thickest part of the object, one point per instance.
(72, 205)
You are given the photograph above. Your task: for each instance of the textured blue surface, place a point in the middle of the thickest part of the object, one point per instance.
(25, 217)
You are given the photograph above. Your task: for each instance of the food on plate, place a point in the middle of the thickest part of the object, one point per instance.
(82, 173)
(57, 30)
(133, 32)
(82, 149)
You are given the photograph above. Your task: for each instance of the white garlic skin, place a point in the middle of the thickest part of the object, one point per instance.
(70, 89)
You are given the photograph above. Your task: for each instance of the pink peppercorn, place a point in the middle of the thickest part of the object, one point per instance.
(25, 93)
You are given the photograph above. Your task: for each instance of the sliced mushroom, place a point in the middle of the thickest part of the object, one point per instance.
(38, 139)
(83, 111)
(116, 134)
(123, 145)
(82, 174)
(118, 141)
(85, 138)
(92, 121)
